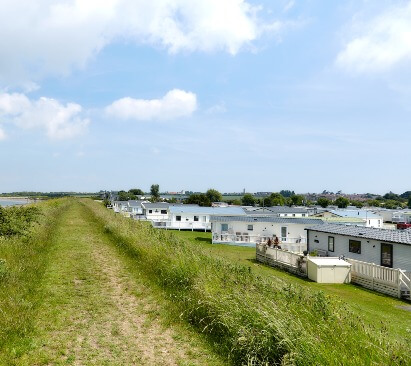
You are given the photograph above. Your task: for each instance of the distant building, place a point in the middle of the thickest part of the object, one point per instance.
(369, 218)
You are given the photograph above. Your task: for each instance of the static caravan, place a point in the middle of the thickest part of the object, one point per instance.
(388, 248)
(250, 230)
(190, 217)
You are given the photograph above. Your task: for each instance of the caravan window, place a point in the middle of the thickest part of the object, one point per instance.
(196, 218)
(164, 212)
(178, 218)
(224, 227)
(386, 255)
(250, 227)
(330, 243)
(355, 246)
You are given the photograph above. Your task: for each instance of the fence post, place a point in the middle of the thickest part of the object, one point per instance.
(373, 275)
(399, 277)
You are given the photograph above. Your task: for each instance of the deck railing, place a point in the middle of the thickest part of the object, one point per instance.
(181, 225)
(290, 261)
(297, 245)
(390, 281)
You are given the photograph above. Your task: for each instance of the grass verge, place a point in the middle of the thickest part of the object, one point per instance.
(253, 319)
(24, 259)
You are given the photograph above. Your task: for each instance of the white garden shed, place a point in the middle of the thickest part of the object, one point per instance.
(328, 270)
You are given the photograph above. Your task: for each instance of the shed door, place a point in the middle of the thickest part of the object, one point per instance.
(386, 255)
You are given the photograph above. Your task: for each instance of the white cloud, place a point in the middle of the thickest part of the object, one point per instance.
(176, 103)
(49, 36)
(216, 109)
(2, 134)
(57, 120)
(380, 43)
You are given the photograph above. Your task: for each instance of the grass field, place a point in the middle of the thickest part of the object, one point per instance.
(370, 305)
(88, 287)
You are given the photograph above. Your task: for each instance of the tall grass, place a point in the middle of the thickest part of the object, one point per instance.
(23, 259)
(250, 319)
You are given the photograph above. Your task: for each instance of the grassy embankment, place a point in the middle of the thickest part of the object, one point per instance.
(250, 317)
(70, 297)
(23, 262)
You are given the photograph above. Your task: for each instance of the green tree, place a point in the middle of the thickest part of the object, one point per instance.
(155, 192)
(357, 204)
(136, 192)
(125, 196)
(409, 202)
(248, 200)
(297, 200)
(236, 202)
(200, 199)
(342, 202)
(391, 204)
(406, 195)
(286, 193)
(323, 202)
(214, 195)
(276, 199)
(373, 203)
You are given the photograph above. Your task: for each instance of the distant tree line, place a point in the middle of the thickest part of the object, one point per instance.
(282, 198)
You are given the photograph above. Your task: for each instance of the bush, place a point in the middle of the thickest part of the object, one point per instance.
(17, 220)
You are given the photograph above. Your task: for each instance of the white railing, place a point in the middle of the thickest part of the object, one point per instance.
(297, 245)
(181, 225)
(390, 281)
(279, 257)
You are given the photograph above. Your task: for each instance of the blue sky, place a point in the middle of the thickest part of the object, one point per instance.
(263, 95)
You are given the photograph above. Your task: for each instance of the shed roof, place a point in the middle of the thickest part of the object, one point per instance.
(385, 235)
(275, 219)
(329, 261)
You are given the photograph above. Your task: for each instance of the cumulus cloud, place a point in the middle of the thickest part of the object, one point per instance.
(380, 43)
(176, 103)
(57, 120)
(52, 36)
(2, 134)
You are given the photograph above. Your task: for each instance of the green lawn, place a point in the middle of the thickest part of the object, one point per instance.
(374, 307)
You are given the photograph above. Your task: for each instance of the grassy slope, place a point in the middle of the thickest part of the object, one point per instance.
(25, 259)
(252, 317)
(95, 310)
(370, 305)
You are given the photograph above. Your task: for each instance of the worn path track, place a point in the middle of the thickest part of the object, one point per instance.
(97, 312)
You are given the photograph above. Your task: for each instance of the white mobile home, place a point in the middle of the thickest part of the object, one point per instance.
(388, 248)
(155, 211)
(249, 230)
(120, 206)
(135, 208)
(190, 217)
(368, 218)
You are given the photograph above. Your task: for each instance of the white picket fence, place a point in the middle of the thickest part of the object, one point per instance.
(393, 282)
